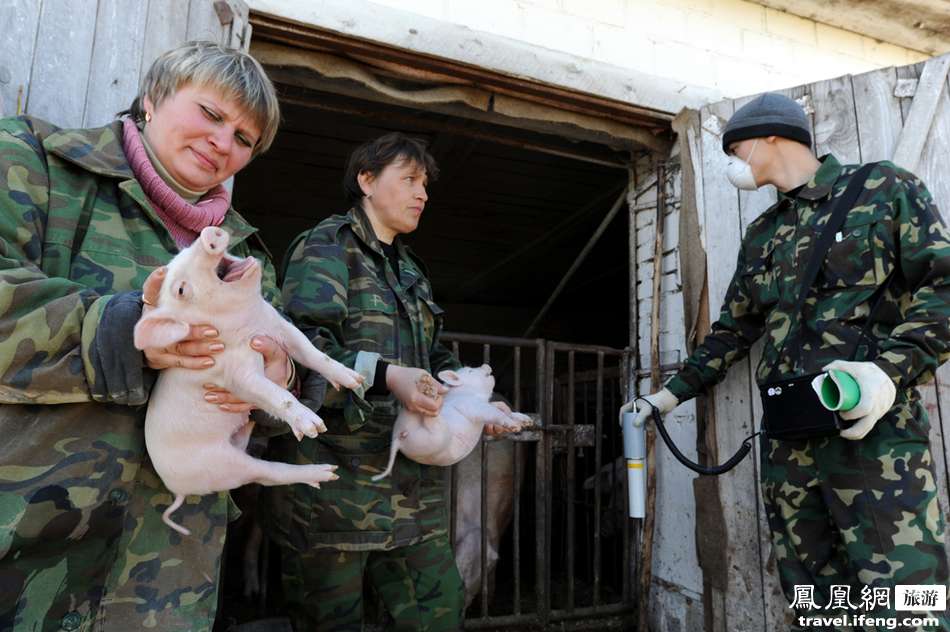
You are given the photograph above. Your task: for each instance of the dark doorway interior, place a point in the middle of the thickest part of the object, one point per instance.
(503, 223)
(508, 217)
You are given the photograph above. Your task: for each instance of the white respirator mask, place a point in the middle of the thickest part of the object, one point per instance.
(739, 171)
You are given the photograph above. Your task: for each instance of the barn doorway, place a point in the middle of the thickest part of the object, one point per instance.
(510, 214)
(504, 221)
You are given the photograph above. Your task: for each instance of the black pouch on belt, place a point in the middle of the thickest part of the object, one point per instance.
(791, 409)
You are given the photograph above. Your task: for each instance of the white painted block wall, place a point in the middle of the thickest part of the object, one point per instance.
(731, 46)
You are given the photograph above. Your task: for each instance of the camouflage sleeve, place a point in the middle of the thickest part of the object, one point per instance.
(315, 294)
(740, 324)
(42, 319)
(442, 359)
(921, 342)
(316, 284)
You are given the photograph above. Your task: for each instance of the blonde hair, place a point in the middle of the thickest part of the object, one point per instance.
(237, 74)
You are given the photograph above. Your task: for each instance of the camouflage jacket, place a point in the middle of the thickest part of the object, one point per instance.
(82, 544)
(893, 229)
(340, 290)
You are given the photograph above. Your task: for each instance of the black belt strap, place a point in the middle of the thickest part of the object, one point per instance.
(844, 204)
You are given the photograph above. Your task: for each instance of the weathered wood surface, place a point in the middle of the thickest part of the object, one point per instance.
(930, 91)
(858, 119)
(77, 63)
(116, 60)
(61, 62)
(18, 23)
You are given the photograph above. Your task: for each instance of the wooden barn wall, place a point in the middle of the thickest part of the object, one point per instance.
(858, 118)
(78, 62)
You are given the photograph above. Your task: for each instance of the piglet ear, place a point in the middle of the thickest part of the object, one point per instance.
(450, 377)
(158, 331)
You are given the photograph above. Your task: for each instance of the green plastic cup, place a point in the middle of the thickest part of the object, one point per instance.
(839, 391)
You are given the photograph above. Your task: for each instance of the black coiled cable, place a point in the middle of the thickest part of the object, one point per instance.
(714, 470)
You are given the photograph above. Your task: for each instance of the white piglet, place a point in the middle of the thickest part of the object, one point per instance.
(197, 448)
(449, 437)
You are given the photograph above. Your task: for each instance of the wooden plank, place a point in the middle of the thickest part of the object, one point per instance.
(930, 398)
(61, 62)
(116, 59)
(932, 167)
(204, 24)
(239, 28)
(675, 559)
(166, 27)
(878, 112)
(743, 608)
(908, 73)
(19, 21)
(941, 450)
(836, 127)
(930, 89)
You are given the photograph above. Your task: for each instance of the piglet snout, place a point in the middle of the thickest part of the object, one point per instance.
(215, 240)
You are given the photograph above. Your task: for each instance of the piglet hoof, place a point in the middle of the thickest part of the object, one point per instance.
(340, 376)
(524, 420)
(320, 473)
(308, 425)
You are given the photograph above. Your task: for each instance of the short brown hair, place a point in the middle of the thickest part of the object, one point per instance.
(376, 155)
(235, 73)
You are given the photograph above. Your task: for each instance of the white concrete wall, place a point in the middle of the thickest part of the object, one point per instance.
(733, 47)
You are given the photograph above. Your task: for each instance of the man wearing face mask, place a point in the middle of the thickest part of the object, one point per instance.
(858, 508)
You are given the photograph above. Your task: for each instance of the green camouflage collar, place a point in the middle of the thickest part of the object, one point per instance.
(824, 179)
(363, 229)
(98, 149)
(239, 228)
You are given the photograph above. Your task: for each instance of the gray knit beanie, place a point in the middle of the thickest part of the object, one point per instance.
(770, 114)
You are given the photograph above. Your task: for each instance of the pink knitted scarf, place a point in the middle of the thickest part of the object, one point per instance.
(183, 220)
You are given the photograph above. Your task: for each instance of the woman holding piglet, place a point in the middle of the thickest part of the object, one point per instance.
(364, 298)
(87, 219)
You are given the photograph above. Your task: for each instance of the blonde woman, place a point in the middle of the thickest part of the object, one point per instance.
(87, 216)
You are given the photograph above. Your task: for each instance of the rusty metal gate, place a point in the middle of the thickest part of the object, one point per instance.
(568, 560)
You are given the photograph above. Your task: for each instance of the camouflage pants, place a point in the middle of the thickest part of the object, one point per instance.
(856, 514)
(82, 544)
(419, 585)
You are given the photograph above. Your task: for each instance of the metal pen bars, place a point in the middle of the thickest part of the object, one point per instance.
(576, 420)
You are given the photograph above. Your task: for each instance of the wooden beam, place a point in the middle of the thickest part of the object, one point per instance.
(917, 127)
(920, 25)
(271, 28)
(603, 158)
